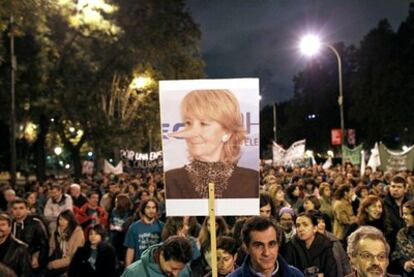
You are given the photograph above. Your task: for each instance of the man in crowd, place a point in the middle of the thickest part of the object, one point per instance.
(108, 199)
(32, 231)
(144, 232)
(57, 203)
(369, 253)
(13, 252)
(166, 259)
(91, 214)
(393, 203)
(261, 239)
(77, 197)
(9, 195)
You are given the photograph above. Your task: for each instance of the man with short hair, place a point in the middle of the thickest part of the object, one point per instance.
(166, 259)
(144, 232)
(368, 252)
(91, 214)
(108, 199)
(260, 236)
(13, 252)
(32, 231)
(226, 256)
(57, 203)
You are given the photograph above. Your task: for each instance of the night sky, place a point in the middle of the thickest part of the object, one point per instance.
(258, 38)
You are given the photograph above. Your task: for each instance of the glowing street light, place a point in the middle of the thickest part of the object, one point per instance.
(310, 45)
(58, 150)
(140, 82)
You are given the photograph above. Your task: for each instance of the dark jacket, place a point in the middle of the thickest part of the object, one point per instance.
(105, 264)
(17, 256)
(33, 232)
(393, 216)
(285, 270)
(243, 183)
(320, 254)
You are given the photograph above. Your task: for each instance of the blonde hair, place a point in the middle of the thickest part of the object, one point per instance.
(223, 107)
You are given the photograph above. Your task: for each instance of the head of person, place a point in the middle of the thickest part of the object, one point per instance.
(287, 217)
(204, 235)
(5, 226)
(114, 187)
(93, 198)
(368, 252)
(175, 225)
(67, 222)
(344, 192)
(9, 195)
(261, 238)
(19, 209)
(309, 184)
(175, 253)
(311, 202)
(398, 187)
(408, 213)
(31, 198)
(307, 226)
(143, 195)
(149, 209)
(324, 222)
(97, 234)
(123, 203)
(75, 190)
(294, 191)
(325, 190)
(56, 192)
(377, 186)
(370, 209)
(267, 206)
(277, 193)
(226, 254)
(213, 125)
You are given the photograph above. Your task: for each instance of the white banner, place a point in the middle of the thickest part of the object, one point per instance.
(110, 169)
(135, 156)
(292, 156)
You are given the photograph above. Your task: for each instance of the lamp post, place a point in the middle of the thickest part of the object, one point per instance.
(309, 46)
(12, 105)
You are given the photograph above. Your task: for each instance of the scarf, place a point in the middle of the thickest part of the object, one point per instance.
(203, 173)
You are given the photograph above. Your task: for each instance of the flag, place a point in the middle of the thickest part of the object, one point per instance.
(327, 164)
(374, 160)
(87, 167)
(110, 169)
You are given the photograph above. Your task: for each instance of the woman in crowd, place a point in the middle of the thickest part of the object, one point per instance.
(214, 134)
(294, 196)
(63, 243)
(226, 256)
(118, 220)
(324, 227)
(310, 251)
(310, 187)
(404, 249)
(33, 204)
(96, 259)
(311, 202)
(371, 212)
(343, 213)
(202, 265)
(326, 199)
(278, 196)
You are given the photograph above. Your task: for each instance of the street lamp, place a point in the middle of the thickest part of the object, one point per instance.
(310, 45)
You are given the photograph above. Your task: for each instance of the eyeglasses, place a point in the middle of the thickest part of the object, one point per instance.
(368, 256)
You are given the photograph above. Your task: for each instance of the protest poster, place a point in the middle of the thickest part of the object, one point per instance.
(210, 133)
(396, 160)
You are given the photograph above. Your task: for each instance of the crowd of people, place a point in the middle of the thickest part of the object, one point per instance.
(313, 222)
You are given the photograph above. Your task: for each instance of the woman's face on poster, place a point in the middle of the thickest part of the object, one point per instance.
(204, 138)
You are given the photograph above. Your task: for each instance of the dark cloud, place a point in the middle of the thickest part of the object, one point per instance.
(249, 38)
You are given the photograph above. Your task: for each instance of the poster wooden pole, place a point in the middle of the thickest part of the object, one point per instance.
(212, 216)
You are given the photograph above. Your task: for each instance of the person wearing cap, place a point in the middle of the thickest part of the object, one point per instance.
(287, 217)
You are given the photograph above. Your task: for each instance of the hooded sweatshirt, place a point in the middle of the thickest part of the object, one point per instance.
(147, 261)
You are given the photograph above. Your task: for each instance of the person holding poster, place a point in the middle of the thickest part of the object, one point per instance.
(214, 133)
